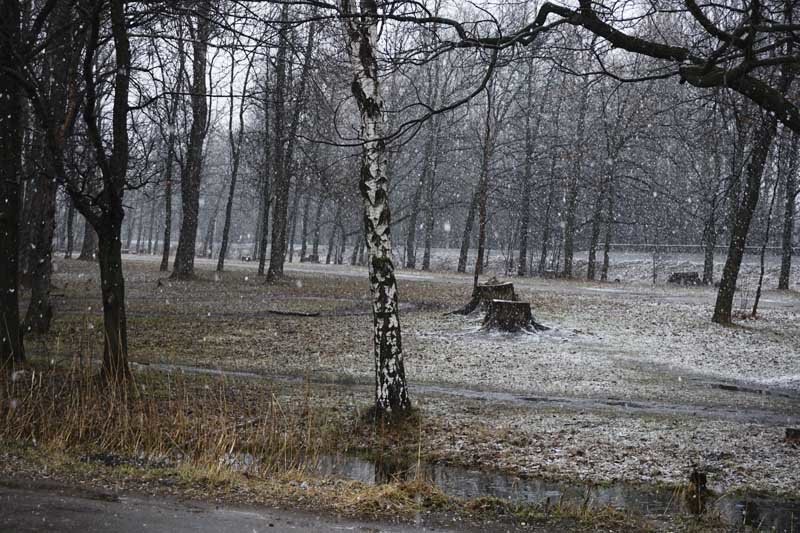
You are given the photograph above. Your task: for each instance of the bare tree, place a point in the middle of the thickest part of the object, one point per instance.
(361, 32)
(200, 31)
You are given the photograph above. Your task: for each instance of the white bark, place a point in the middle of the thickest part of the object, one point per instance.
(391, 393)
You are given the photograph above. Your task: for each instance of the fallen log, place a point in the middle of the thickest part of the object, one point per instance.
(292, 313)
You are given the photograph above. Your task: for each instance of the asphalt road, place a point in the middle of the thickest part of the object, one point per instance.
(53, 508)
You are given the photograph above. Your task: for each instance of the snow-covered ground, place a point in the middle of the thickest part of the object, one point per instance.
(613, 344)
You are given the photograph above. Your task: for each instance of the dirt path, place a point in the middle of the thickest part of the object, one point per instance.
(749, 415)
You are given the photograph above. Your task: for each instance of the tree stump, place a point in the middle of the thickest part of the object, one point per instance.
(684, 278)
(484, 293)
(510, 316)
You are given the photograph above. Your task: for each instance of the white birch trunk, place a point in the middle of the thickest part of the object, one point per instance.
(361, 25)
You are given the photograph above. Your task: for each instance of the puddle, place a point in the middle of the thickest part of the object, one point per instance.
(753, 510)
(765, 513)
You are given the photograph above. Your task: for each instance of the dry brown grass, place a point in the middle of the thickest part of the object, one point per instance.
(163, 418)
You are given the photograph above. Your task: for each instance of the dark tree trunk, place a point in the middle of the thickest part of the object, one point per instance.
(262, 243)
(293, 219)
(764, 244)
(235, 145)
(709, 243)
(790, 197)
(11, 135)
(467, 235)
(430, 187)
(285, 159)
(342, 246)
(744, 214)
(266, 176)
(304, 228)
(89, 244)
(609, 234)
(167, 210)
(483, 189)
(40, 312)
(130, 227)
(32, 176)
(115, 350)
(70, 247)
(573, 184)
(223, 247)
(531, 135)
(151, 229)
(411, 236)
(277, 253)
(190, 178)
(140, 226)
(109, 201)
(332, 239)
(170, 160)
(546, 224)
(597, 222)
(317, 230)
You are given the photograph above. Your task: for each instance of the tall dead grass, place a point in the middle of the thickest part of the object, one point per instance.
(173, 417)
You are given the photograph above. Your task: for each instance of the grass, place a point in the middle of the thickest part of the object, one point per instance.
(191, 434)
(171, 417)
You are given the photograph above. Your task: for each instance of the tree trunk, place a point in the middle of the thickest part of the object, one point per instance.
(467, 235)
(744, 214)
(531, 136)
(170, 160)
(89, 244)
(573, 183)
(235, 145)
(483, 188)
(391, 391)
(430, 185)
(790, 196)
(167, 206)
(278, 249)
(293, 222)
(317, 230)
(332, 239)
(609, 234)
(304, 228)
(11, 135)
(131, 227)
(70, 229)
(285, 158)
(151, 227)
(266, 176)
(546, 229)
(411, 236)
(109, 201)
(764, 245)
(183, 267)
(40, 311)
(709, 243)
(140, 226)
(115, 349)
(597, 221)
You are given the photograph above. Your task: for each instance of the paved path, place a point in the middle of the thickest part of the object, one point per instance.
(43, 507)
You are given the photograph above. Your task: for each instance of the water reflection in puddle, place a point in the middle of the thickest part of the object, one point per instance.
(764, 513)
